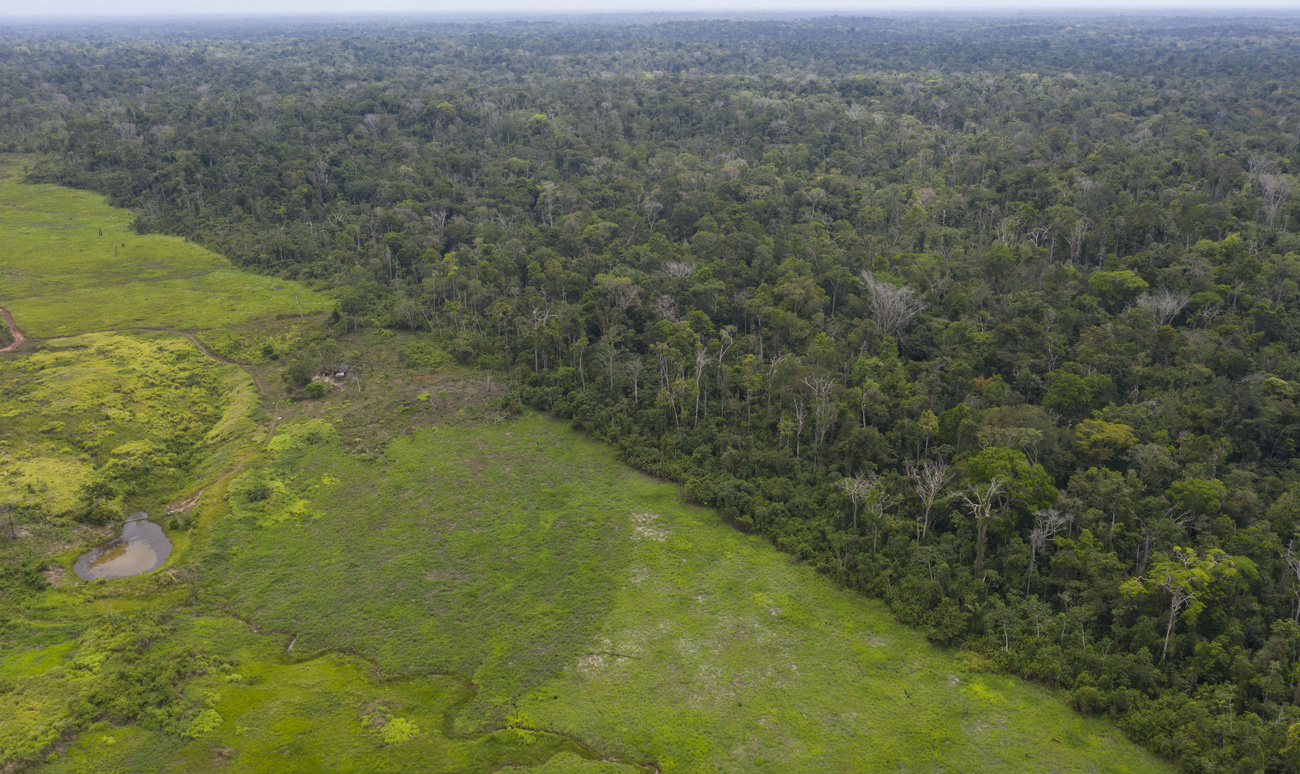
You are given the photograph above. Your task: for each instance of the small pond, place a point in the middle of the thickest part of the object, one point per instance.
(142, 548)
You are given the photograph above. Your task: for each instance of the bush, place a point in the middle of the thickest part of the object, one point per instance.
(423, 355)
(297, 373)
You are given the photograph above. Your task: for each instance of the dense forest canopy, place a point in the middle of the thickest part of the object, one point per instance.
(993, 317)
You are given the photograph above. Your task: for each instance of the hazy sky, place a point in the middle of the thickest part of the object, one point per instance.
(12, 8)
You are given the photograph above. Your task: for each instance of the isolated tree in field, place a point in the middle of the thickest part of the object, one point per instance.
(1048, 523)
(982, 500)
(892, 308)
(930, 481)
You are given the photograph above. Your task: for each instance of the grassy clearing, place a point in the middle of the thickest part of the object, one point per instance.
(259, 709)
(132, 412)
(97, 424)
(585, 598)
(73, 264)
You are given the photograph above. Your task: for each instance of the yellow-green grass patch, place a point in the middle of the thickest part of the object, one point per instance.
(73, 264)
(138, 411)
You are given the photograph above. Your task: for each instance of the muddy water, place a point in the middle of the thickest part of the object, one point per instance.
(142, 548)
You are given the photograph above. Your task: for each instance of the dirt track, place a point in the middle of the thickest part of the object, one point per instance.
(19, 338)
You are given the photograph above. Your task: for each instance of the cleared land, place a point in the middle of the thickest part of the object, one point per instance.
(586, 598)
(73, 264)
(405, 579)
(135, 413)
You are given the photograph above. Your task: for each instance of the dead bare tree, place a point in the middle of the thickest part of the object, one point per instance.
(824, 409)
(876, 505)
(1293, 561)
(609, 345)
(800, 415)
(538, 318)
(892, 308)
(701, 360)
(679, 269)
(930, 480)
(666, 306)
(726, 339)
(982, 499)
(856, 488)
(1075, 237)
(1275, 190)
(634, 369)
(1048, 524)
(548, 195)
(1167, 304)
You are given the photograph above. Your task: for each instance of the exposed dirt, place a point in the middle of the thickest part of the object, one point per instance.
(19, 338)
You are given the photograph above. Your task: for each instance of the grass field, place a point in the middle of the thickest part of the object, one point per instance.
(143, 417)
(582, 597)
(73, 264)
(402, 578)
(135, 411)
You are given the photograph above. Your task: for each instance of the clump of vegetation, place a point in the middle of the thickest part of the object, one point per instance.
(424, 355)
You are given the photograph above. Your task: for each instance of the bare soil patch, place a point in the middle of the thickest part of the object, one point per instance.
(19, 338)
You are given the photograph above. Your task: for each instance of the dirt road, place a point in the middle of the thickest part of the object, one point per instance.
(19, 338)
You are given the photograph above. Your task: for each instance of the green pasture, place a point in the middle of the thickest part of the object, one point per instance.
(585, 598)
(258, 708)
(73, 264)
(136, 412)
